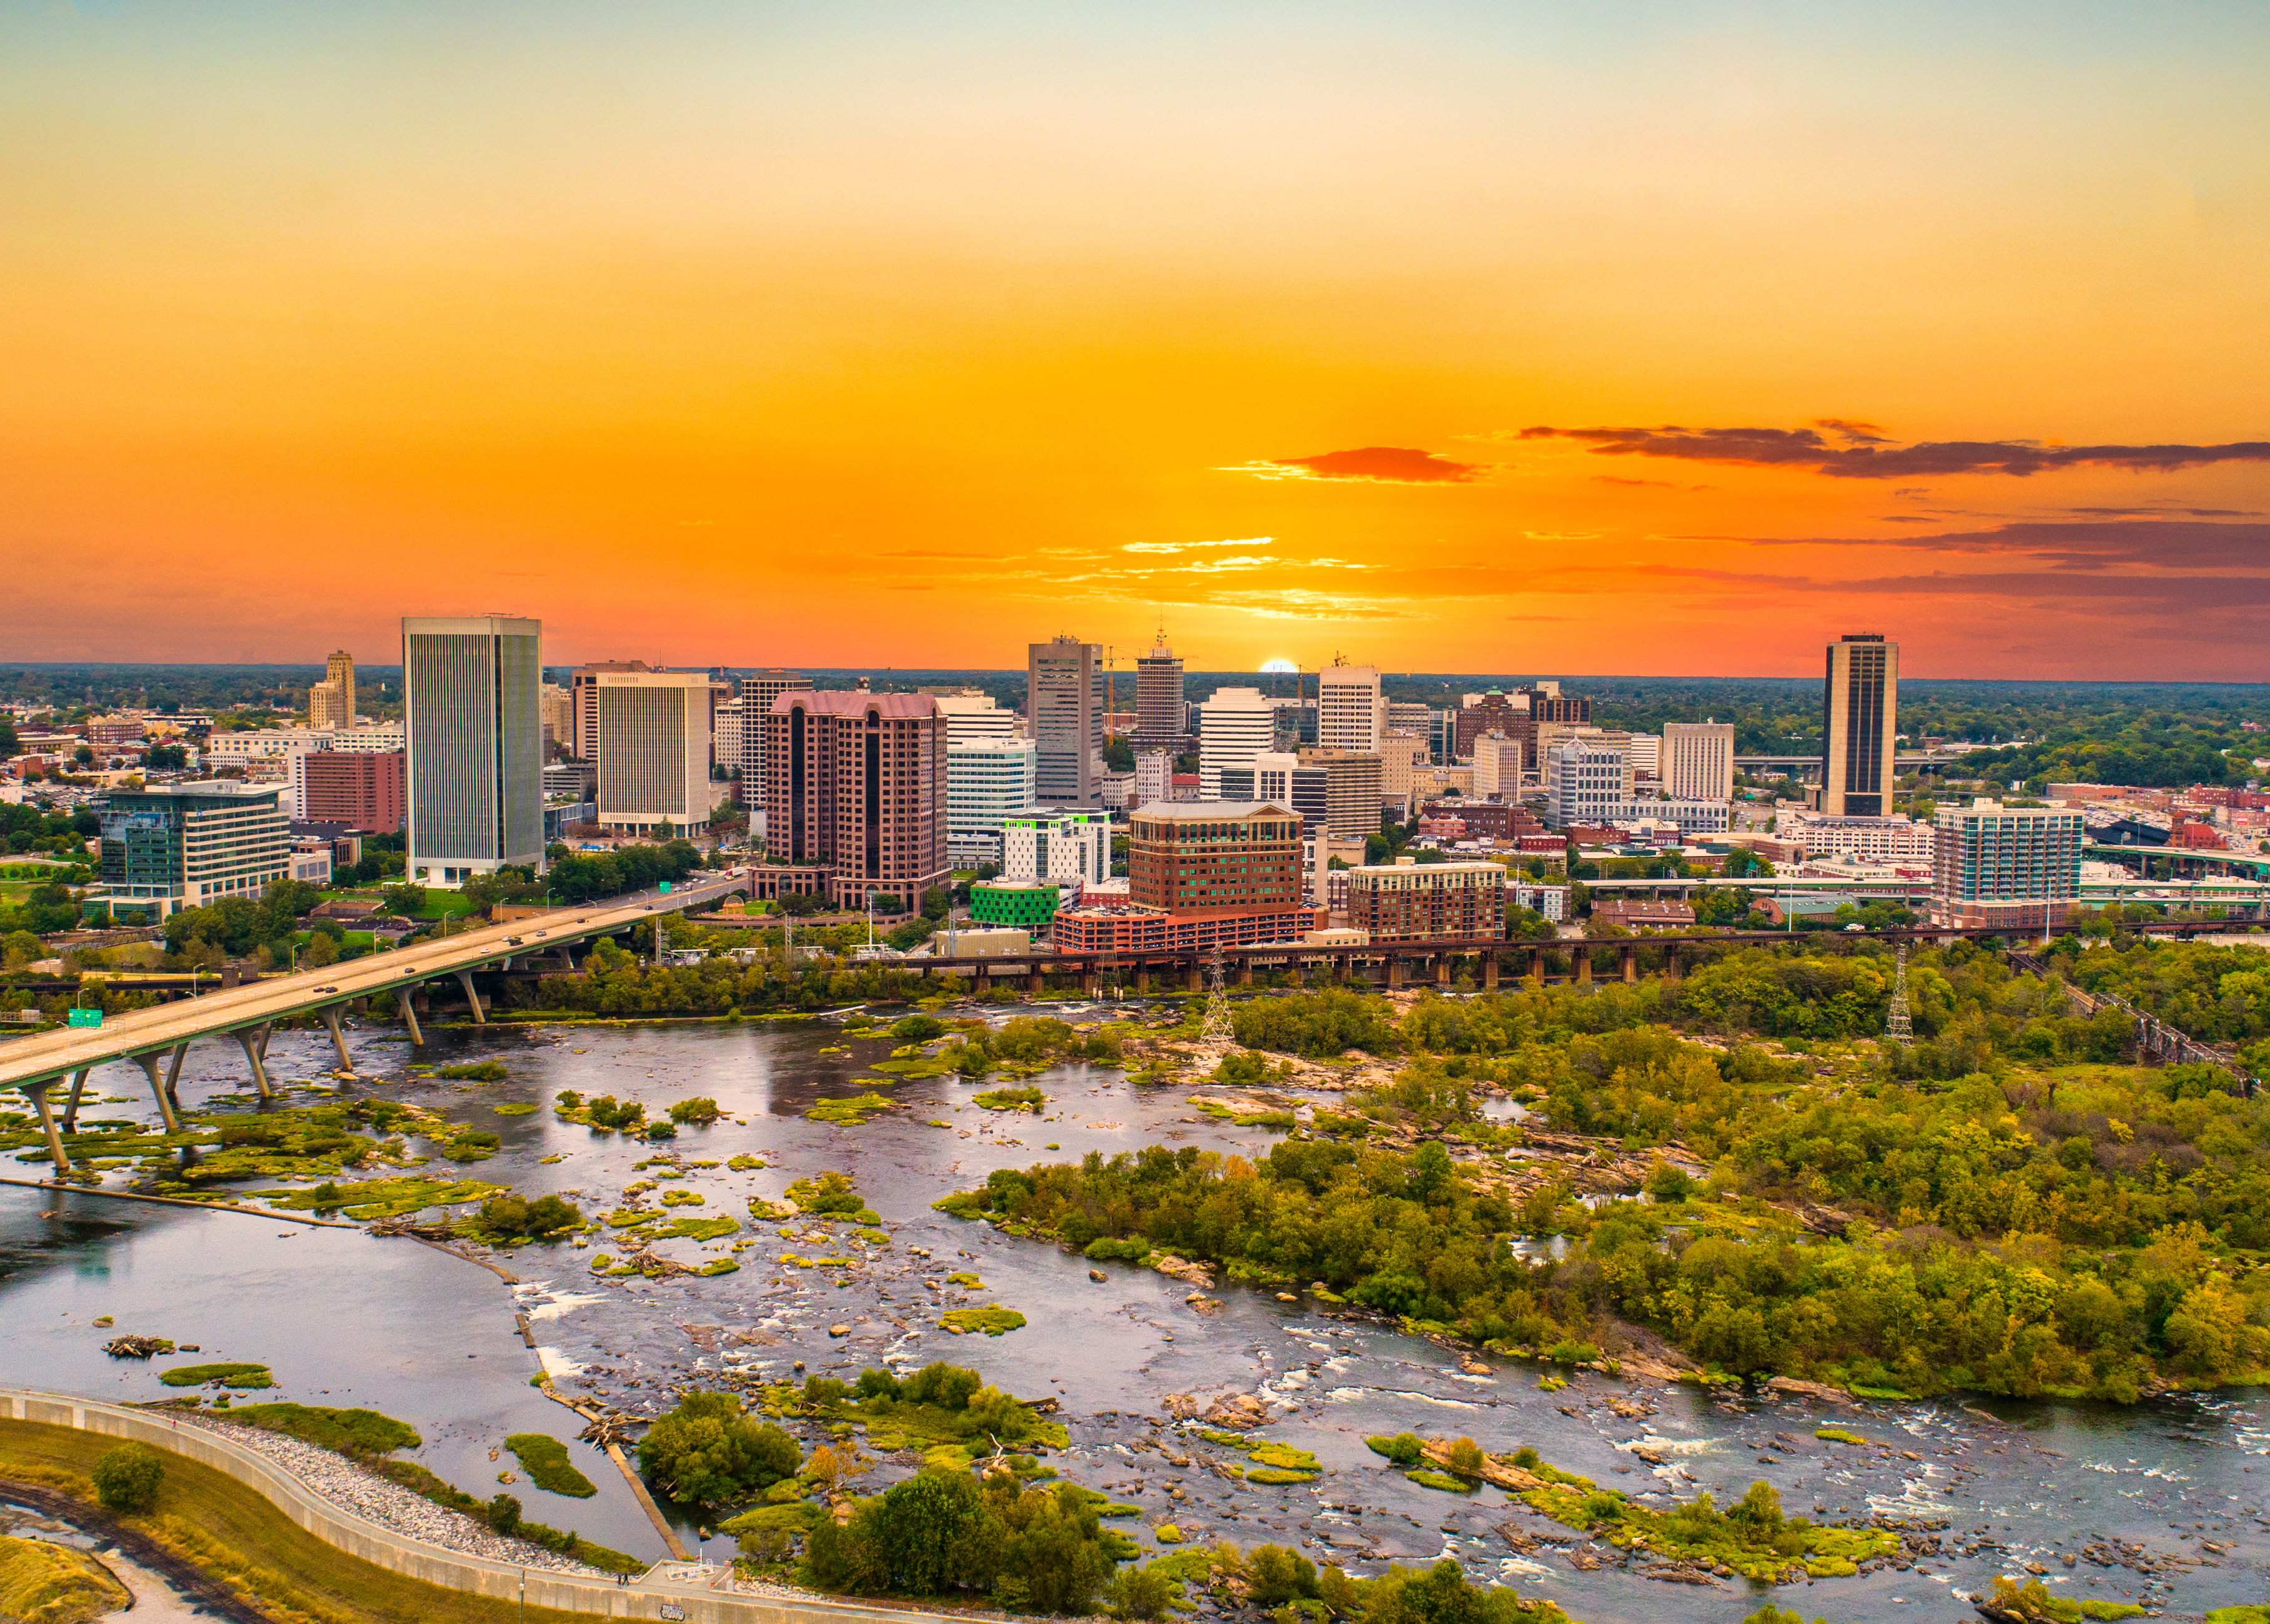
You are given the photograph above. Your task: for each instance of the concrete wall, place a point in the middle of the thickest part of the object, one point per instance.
(644, 1599)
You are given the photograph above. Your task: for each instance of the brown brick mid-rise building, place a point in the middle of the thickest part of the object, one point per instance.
(362, 789)
(856, 783)
(1192, 857)
(1411, 902)
(1501, 820)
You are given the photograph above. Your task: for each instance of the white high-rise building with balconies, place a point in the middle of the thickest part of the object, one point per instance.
(1235, 726)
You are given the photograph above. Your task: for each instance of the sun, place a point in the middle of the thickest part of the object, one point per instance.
(1279, 668)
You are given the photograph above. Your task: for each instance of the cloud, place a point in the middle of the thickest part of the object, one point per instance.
(1873, 459)
(1658, 484)
(2139, 543)
(1382, 464)
(1187, 546)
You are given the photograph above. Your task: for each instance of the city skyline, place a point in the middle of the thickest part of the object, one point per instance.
(1445, 337)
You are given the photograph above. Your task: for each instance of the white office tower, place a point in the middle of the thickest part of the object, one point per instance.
(473, 721)
(1154, 776)
(1698, 760)
(1350, 713)
(1646, 752)
(1498, 765)
(726, 737)
(1584, 778)
(654, 751)
(975, 716)
(1071, 848)
(1235, 726)
(988, 780)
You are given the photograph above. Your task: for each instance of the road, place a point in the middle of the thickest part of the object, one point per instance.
(66, 1050)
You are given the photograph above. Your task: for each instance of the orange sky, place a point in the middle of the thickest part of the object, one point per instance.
(901, 336)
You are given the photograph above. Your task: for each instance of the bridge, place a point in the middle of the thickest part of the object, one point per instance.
(248, 1013)
(1812, 763)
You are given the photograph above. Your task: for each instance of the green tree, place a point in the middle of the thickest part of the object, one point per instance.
(127, 1479)
(706, 1452)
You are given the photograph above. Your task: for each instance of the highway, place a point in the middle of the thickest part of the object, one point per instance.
(142, 1035)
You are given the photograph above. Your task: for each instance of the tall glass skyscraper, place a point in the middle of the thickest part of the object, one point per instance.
(1859, 717)
(473, 713)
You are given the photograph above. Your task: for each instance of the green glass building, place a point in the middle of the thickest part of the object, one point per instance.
(1028, 904)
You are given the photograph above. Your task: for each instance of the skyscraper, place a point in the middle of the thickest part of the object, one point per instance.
(1159, 714)
(758, 690)
(1350, 714)
(472, 713)
(856, 783)
(1234, 725)
(340, 668)
(1698, 760)
(2017, 867)
(1063, 701)
(583, 695)
(1859, 717)
(654, 750)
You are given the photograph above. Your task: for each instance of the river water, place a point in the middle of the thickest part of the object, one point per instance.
(344, 1318)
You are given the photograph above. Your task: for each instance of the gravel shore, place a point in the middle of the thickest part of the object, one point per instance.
(390, 1505)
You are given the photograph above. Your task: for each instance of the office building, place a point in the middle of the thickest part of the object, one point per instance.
(1859, 717)
(1351, 789)
(471, 689)
(1234, 725)
(1159, 716)
(1408, 901)
(1698, 760)
(1418, 720)
(1401, 755)
(558, 709)
(989, 779)
(653, 752)
(1154, 773)
(339, 672)
(1687, 817)
(380, 738)
(1873, 840)
(243, 748)
(2011, 867)
(1350, 713)
(1497, 762)
(1494, 712)
(1072, 849)
(1646, 752)
(190, 845)
(1201, 874)
(1063, 706)
(363, 789)
(1542, 707)
(971, 714)
(327, 707)
(855, 790)
(1584, 777)
(728, 737)
(583, 704)
(1296, 721)
(1020, 904)
(1280, 778)
(758, 690)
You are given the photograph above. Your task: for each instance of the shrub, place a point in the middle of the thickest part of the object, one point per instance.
(700, 1111)
(126, 1478)
(1279, 1574)
(504, 1514)
(1467, 1459)
(706, 1452)
(1404, 1449)
(1140, 1593)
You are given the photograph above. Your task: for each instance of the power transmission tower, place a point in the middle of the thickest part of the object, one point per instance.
(1219, 1028)
(1897, 1027)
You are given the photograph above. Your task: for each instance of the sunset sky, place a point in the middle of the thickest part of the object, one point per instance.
(1581, 338)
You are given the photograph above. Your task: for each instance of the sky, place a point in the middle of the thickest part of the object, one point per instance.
(1619, 338)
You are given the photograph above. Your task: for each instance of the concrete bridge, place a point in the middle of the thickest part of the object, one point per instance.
(158, 1039)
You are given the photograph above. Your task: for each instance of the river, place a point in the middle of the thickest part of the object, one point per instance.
(344, 1318)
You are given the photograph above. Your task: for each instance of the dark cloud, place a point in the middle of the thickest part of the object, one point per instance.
(1870, 459)
(2160, 544)
(1390, 464)
(1859, 432)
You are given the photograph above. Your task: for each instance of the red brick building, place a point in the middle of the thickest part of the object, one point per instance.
(856, 782)
(363, 789)
(1412, 901)
(1498, 820)
(1200, 874)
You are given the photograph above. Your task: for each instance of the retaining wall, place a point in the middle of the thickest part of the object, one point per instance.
(658, 1595)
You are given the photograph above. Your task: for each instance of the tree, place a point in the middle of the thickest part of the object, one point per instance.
(923, 1526)
(127, 1479)
(706, 1452)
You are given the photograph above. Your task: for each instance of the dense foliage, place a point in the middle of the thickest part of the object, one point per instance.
(127, 1479)
(1037, 1550)
(706, 1452)
(575, 877)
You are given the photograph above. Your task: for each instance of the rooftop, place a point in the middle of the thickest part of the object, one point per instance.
(851, 703)
(1204, 812)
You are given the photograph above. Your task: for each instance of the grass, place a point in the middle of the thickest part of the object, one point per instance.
(55, 1584)
(520, 1109)
(1012, 1099)
(849, 1112)
(348, 1432)
(1837, 1435)
(545, 1458)
(476, 1071)
(246, 1543)
(251, 1377)
(1442, 1480)
(992, 1321)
